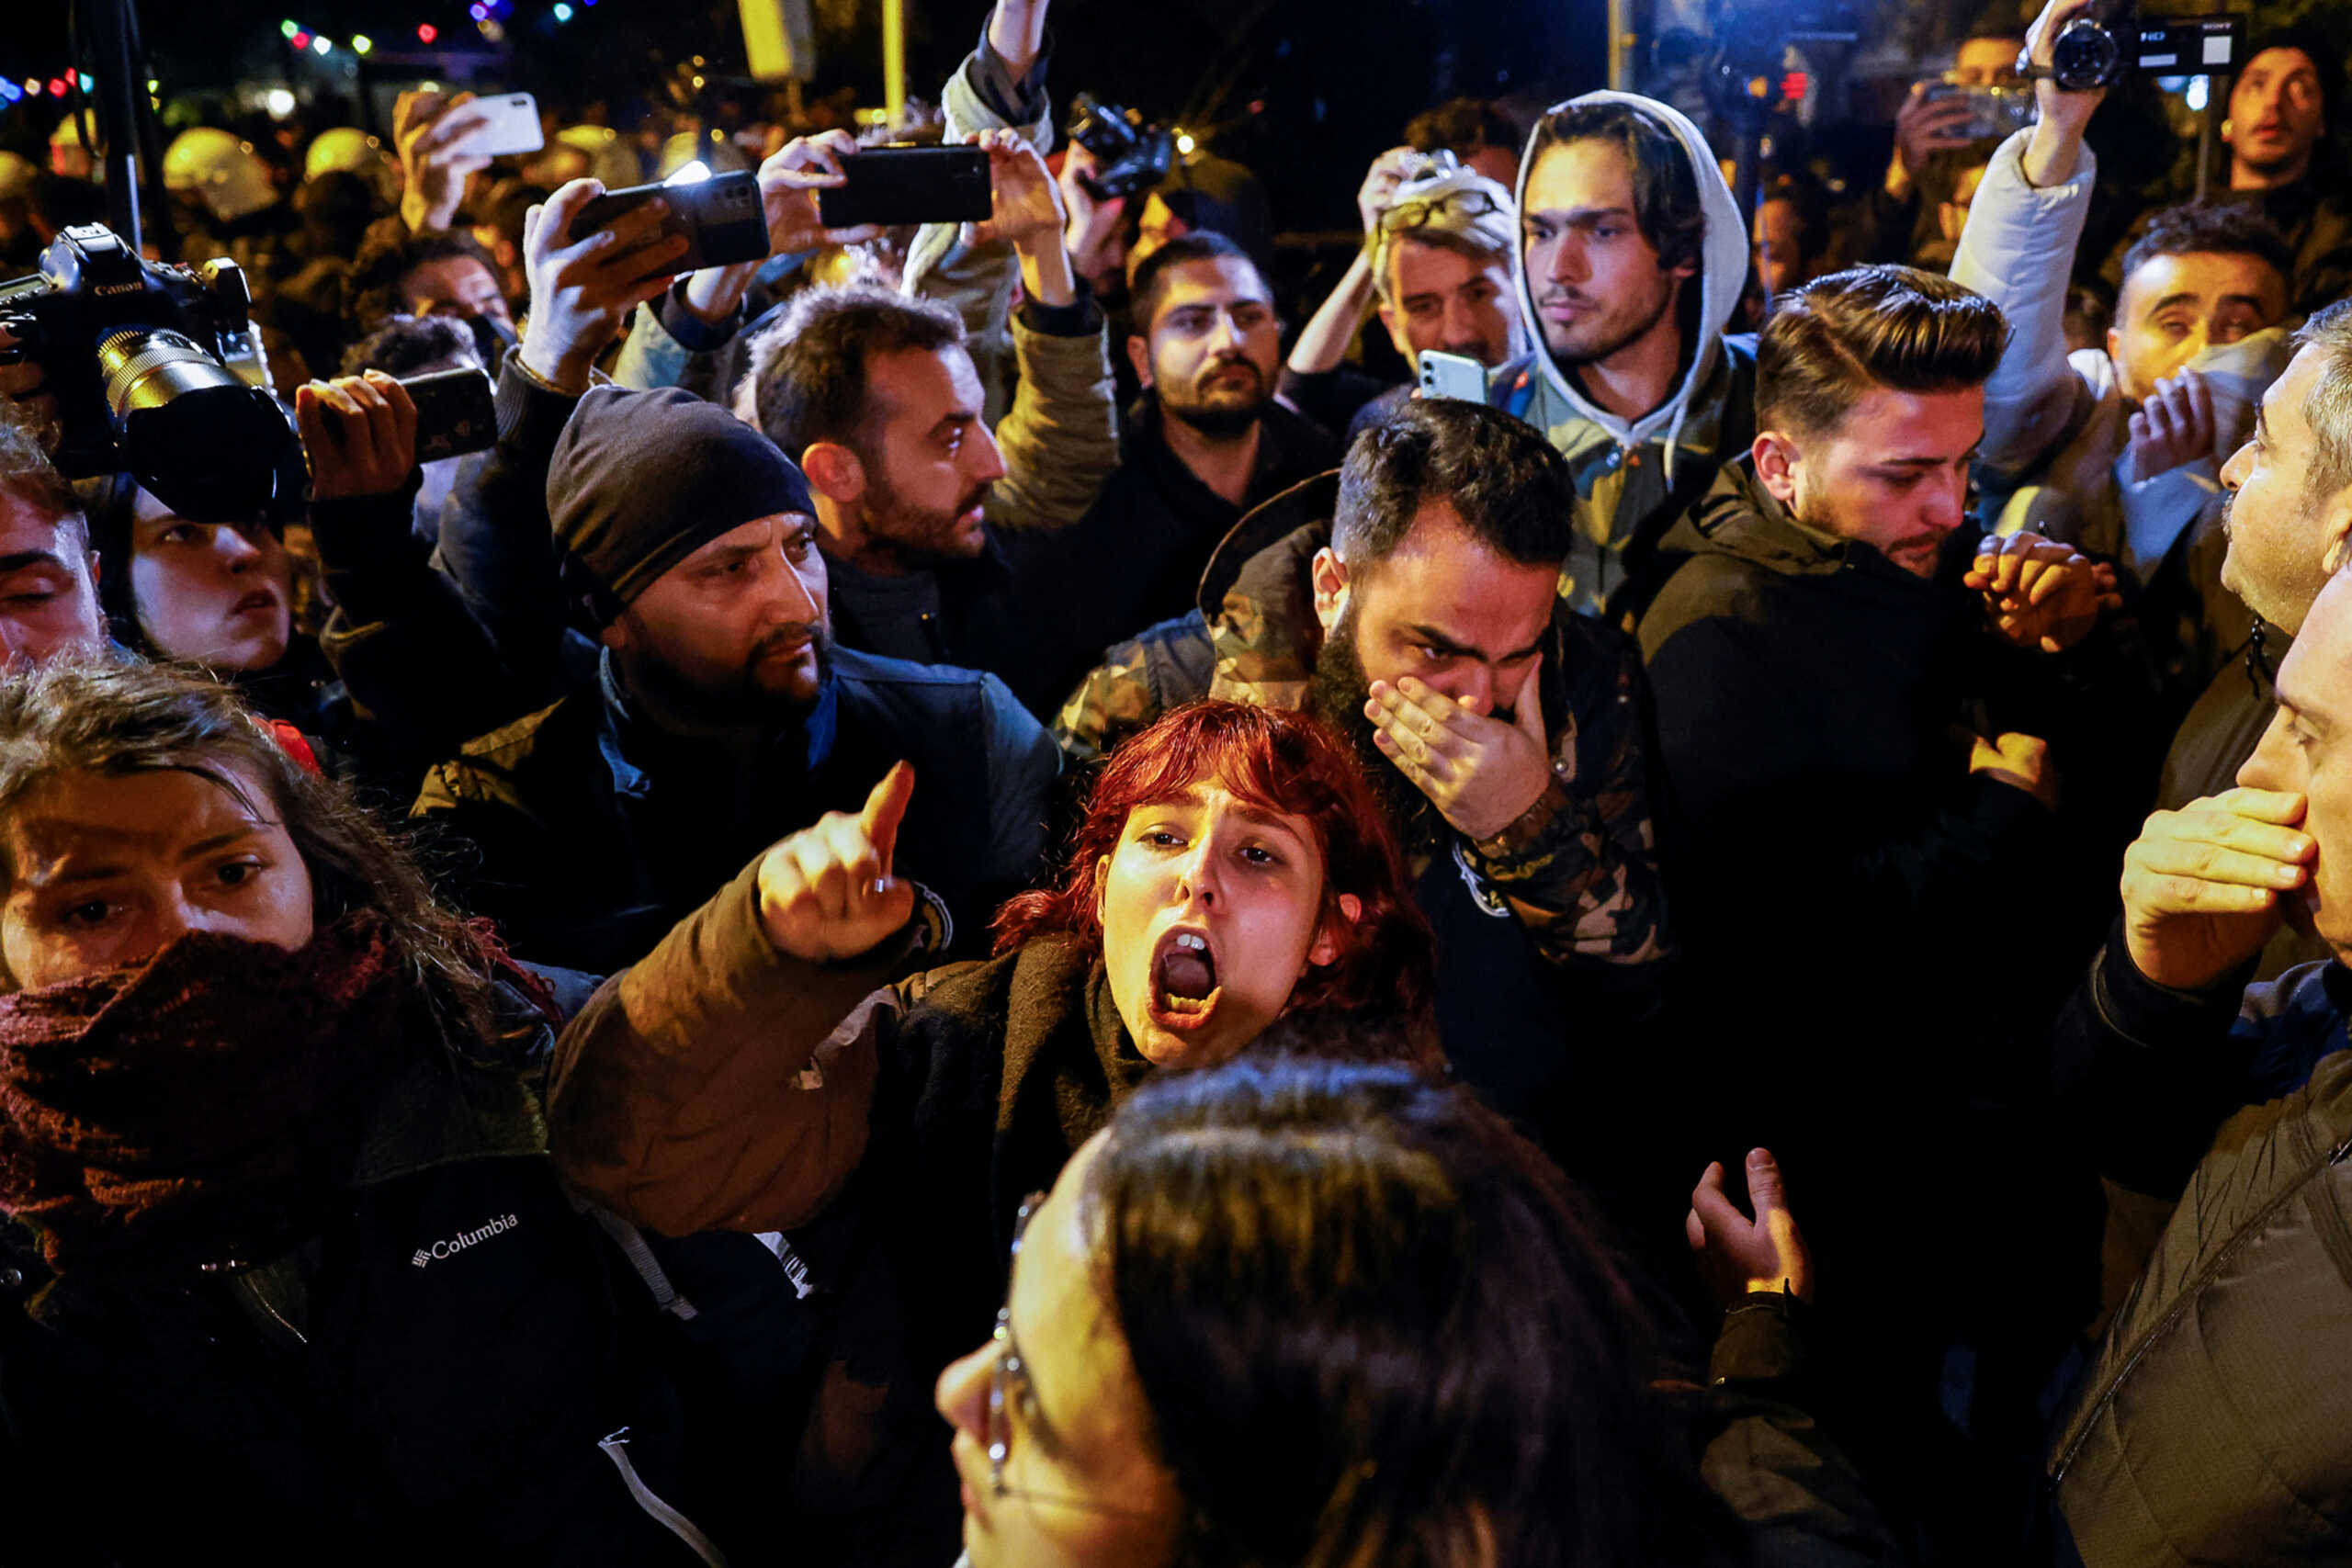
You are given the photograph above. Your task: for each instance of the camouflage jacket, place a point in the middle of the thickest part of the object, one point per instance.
(1586, 887)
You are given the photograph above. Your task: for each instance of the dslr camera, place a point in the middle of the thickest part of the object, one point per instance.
(1129, 156)
(158, 373)
(2097, 48)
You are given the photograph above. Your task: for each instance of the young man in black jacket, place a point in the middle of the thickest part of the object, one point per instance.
(1864, 712)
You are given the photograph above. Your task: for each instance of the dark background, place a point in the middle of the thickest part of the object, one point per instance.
(1332, 81)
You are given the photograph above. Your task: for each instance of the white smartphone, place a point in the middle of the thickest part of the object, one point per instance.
(1453, 376)
(512, 126)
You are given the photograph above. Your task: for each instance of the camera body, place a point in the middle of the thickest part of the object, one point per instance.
(158, 372)
(2111, 38)
(1129, 156)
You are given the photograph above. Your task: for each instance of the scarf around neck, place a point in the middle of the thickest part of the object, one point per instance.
(202, 1107)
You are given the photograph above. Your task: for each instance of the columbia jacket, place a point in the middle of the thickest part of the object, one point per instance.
(1634, 476)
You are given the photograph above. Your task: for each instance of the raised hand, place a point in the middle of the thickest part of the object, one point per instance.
(431, 132)
(1736, 1254)
(1481, 772)
(1380, 183)
(583, 287)
(2173, 426)
(2202, 885)
(789, 181)
(1096, 233)
(2040, 593)
(827, 893)
(1025, 207)
(1923, 127)
(360, 434)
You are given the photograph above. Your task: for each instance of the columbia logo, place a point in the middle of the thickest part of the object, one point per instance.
(497, 1225)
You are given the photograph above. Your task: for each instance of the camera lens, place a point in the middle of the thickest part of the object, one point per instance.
(2085, 54)
(191, 432)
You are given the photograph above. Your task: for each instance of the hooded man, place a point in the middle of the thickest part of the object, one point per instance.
(1631, 263)
(721, 716)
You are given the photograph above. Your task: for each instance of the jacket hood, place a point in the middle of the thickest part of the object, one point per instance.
(1723, 272)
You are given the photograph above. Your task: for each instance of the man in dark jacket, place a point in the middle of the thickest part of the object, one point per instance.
(2213, 1423)
(1206, 444)
(1863, 714)
(720, 717)
(1413, 604)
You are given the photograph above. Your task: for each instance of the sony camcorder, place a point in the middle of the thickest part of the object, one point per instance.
(2097, 48)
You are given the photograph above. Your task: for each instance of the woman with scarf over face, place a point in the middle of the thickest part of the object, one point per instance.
(284, 1263)
(1232, 868)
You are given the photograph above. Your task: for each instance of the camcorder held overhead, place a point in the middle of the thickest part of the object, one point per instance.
(158, 372)
(1129, 156)
(2098, 48)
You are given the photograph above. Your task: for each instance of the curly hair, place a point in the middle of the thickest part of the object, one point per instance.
(1286, 762)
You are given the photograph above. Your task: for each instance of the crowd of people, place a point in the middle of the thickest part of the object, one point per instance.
(1715, 946)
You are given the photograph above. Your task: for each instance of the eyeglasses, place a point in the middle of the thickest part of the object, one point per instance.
(1415, 212)
(1003, 1378)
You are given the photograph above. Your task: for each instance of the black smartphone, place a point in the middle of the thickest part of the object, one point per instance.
(721, 216)
(455, 413)
(908, 185)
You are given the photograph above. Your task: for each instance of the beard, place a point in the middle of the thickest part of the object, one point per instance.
(749, 699)
(1608, 333)
(911, 535)
(1336, 694)
(1220, 411)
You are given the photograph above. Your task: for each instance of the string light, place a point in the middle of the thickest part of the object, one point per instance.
(426, 32)
(361, 43)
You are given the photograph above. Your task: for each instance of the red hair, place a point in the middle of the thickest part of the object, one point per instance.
(1279, 762)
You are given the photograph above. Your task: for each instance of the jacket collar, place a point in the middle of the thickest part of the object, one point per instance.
(620, 731)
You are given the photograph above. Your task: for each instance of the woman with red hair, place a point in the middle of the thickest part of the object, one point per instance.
(1233, 868)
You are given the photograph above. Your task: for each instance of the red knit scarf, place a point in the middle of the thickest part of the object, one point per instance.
(201, 1107)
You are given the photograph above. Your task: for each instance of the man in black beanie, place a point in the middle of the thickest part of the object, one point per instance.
(720, 717)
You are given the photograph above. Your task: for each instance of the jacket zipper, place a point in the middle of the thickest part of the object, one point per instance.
(616, 1449)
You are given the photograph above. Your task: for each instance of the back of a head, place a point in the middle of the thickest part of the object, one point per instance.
(1509, 487)
(1156, 271)
(1374, 1324)
(2207, 228)
(1461, 126)
(1829, 343)
(810, 371)
(413, 345)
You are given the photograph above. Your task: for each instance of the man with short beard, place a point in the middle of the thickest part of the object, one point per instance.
(720, 717)
(1412, 602)
(1205, 443)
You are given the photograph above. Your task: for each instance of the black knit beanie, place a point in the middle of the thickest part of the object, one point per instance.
(640, 481)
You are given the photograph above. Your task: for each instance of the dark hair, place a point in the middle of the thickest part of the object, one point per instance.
(1829, 343)
(2205, 229)
(120, 717)
(1462, 125)
(28, 475)
(809, 371)
(1509, 486)
(389, 254)
(408, 345)
(1151, 279)
(2327, 407)
(1374, 1324)
(2325, 51)
(1667, 205)
(1277, 761)
(1805, 194)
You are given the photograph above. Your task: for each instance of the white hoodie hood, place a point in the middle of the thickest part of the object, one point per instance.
(1722, 274)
